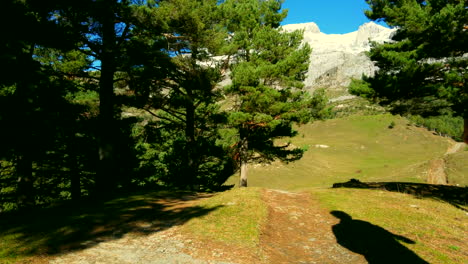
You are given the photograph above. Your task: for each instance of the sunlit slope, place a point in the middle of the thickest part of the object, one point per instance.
(437, 230)
(369, 148)
(457, 168)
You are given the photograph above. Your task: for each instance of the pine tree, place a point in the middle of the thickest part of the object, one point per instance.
(268, 67)
(29, 96)
(423, 70)
(184, 100)
(107, 31)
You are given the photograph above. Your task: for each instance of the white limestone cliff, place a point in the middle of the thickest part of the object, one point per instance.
(336, 58)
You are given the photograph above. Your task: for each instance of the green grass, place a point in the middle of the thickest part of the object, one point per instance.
(457, 168)
(438, 229)
(237, 221)
(361, 147)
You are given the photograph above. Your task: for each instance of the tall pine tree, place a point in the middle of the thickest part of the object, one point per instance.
(424, 69)
(112, 33)
(268, 67)
(30, 98)
(194, 36)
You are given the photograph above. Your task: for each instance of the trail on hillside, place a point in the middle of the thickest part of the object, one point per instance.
(455, 148)
(300, 231)
(436, 173)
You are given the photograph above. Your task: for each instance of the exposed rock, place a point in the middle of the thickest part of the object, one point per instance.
(322, 146)
(336, 58)
(310, 27)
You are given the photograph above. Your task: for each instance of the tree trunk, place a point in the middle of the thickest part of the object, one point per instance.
(191, 172)
(75, 188)
(25, 181)
(25, 106)
(465, 130)
(106, 178)
(243, 163)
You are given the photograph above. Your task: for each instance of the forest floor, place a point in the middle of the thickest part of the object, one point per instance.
(312, 226)
(297, 230)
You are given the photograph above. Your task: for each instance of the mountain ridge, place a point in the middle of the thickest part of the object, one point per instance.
(338, 58)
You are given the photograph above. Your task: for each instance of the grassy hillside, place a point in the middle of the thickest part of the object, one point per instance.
(369, 148)
(457, 168)
(437, 230)
(434, 230)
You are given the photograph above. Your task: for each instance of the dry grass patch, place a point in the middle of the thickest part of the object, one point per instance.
(237, 221)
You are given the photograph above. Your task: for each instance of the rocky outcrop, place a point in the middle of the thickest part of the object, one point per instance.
(336, 58)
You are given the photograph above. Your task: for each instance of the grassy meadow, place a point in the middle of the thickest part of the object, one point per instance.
(368, 148)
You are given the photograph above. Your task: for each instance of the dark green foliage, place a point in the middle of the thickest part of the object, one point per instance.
(361, 88)
(423, 71)
(31, 98)
(107, 96)
(49, 134)
(187, 118)
(267, 73)
(319, 105)
(445, 125)
(161, 147)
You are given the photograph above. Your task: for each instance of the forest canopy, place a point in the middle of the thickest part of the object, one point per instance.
(111, 95)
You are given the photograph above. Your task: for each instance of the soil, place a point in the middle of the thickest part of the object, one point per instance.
(300, 231)
(436, 173)
(297, 230)
(455, 148)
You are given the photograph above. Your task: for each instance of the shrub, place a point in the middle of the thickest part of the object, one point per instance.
(446, 125)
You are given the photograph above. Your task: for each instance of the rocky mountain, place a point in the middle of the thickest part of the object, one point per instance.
(336, 58)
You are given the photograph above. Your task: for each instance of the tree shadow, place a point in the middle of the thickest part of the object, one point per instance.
(72, 226)
(456, 196)
(375, 243)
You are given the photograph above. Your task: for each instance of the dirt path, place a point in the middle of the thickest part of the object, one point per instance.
(436, 173)
(158, 248)
(299, 231)
(455, 148)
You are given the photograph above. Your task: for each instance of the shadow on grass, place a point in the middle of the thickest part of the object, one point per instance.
(375, 243)
(456, 196)
(70, 227)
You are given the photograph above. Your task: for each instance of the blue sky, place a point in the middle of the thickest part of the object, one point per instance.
(332, 16)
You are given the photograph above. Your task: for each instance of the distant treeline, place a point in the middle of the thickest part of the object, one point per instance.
(445, 125)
